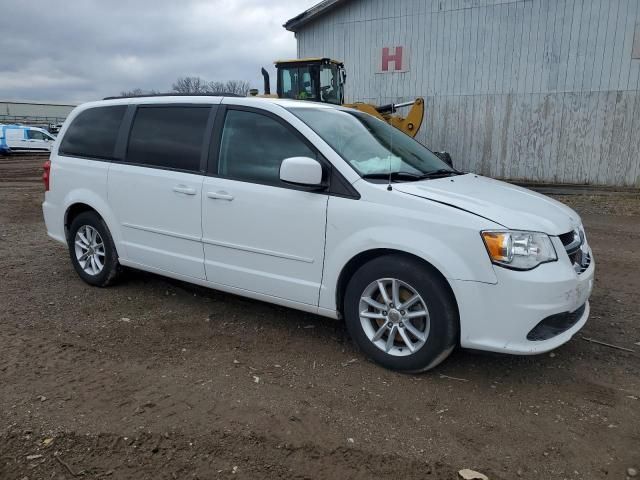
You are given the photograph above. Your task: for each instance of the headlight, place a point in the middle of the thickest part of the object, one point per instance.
(519, 250)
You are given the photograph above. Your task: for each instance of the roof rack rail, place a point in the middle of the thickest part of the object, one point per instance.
(212, 94)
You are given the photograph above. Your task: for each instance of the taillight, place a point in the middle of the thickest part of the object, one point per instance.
(46, 174)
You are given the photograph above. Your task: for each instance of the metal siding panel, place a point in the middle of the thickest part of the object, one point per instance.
(633, 177)
(555, 46)
(565, 41)
(611, 30)
(414, 52)
(573, 46)
(584, 133)
(621, 139)
(503, 15)
(541, 28)
(467, 74)
(506, 135)
(438, 58)
(487, 116)
(432, 74)
(517, 136)
(505, 83)
(595, 82)
(629, 30)
(593, 156)
(498, 114)
(476, 131)
(582, 44)
(618, 46)
(488, 50)
(591, 44)
(462, 63)
(474, 37)
(522, 48)
(543, 137)
(556, 102)
(634, 72)
(562, 139)
(448, 48)
(603, 166)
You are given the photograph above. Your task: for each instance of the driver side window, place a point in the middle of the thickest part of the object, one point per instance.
(35, 135)
(253, 147)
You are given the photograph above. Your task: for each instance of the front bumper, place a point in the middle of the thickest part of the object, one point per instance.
(498, 317)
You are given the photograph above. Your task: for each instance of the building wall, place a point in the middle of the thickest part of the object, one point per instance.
(27, 112)
(540, 90)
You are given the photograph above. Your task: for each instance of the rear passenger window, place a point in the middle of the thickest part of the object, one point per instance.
(253, 147)
(168, 137)
(93, 133)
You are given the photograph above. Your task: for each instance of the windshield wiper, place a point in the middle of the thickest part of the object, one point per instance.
(441, 172)
(393, 175)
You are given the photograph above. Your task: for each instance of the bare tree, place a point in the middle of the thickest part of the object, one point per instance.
(239, 87)
(137, 92)
(216, 87)
(190, 85)
(199, 85)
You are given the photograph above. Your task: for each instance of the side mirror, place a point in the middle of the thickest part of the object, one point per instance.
(445, 157)
(301, 171)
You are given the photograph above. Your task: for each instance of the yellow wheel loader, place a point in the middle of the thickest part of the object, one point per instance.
(323, 79)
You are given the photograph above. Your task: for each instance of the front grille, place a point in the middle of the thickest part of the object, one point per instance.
(567, 238)
(573, 243)
(555, 325)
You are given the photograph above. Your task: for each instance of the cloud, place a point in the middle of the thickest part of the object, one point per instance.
(84, 50)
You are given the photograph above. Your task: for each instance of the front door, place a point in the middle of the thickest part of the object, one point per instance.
(260, 234)
(37, 140)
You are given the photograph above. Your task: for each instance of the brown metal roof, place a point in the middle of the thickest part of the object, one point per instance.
(296, 23)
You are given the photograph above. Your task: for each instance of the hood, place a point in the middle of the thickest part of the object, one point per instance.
(513, 207)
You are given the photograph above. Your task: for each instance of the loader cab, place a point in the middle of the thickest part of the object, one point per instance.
(314, 79)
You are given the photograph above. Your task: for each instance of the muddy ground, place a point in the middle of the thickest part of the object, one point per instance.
(155, 379)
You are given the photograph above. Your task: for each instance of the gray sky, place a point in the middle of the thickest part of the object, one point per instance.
(80, 50)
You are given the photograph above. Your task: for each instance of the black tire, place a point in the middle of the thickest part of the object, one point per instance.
(443, 313)
(111, 267)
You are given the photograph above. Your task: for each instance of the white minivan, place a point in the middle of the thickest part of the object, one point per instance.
(323, 209)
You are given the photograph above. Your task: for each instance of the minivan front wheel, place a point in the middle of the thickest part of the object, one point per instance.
(401, 314)
(92, 250)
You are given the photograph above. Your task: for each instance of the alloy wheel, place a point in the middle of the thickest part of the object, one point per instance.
(394, 316)
(89, 249)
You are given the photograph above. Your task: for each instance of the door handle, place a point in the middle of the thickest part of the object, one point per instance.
(184, 190)
(221, 195)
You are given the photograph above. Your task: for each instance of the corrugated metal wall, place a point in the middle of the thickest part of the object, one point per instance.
(541, 90)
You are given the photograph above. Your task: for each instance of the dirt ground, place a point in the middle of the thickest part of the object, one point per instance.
(155, 379)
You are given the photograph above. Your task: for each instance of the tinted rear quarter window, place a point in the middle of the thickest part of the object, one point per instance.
(168, 136)
(93, 132)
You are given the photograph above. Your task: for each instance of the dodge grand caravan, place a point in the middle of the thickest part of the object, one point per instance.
(323, 209)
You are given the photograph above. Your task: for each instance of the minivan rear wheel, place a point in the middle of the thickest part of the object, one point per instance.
(92, 251)
(401, 313)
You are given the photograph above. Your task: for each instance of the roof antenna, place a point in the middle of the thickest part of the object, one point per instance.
(389, 188)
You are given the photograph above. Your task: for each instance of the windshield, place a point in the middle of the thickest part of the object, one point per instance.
(299, 83)
(371, 146)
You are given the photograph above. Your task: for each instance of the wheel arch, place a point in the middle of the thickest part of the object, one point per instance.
(361, 258)
(73, 211)
(78, 202)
